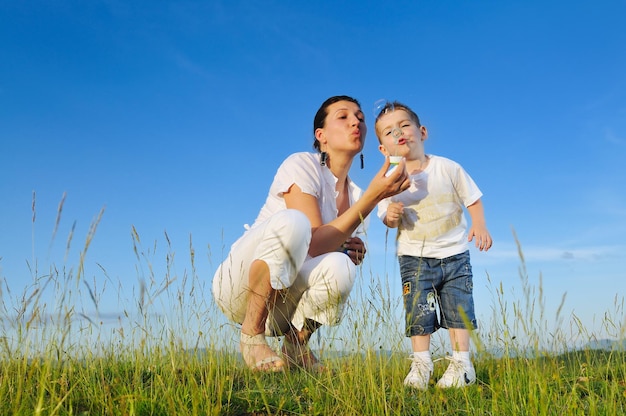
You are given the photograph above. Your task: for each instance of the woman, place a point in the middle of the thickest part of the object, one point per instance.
(293, 270)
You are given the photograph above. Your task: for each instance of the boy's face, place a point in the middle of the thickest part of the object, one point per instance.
(400, 135)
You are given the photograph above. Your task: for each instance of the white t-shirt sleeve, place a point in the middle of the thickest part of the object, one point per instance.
(299, 169)
(382, 208)
(465, 186)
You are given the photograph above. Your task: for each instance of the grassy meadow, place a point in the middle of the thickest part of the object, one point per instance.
(60, 356)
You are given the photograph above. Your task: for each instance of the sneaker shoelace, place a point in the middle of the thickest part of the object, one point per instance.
(419, 366)
(455, 368)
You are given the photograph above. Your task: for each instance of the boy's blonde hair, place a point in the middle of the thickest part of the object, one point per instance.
(390, 107)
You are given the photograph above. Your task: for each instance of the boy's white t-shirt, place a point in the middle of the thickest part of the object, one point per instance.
(304, 170)
(433, 224)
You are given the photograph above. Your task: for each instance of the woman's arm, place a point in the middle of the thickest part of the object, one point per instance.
(329, 237)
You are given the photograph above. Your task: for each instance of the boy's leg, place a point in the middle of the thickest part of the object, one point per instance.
(421, 363)
(420, 343)
(460, 371)
(457, 310)
(420, 276)
(459, 339)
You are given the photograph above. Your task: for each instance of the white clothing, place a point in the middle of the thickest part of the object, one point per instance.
(304, 170)
(433, 224)
(315, 288)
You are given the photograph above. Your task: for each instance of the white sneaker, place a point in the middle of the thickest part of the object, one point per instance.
(420, 373)
(457, 375)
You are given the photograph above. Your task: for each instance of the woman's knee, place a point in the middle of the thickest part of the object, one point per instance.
(295, 225)
(285, 246)
(340, 268)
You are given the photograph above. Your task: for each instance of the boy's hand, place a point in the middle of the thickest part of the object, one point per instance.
(394, 214)
(483, 239)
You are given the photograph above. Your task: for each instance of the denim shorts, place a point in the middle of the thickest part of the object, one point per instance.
(435, 291)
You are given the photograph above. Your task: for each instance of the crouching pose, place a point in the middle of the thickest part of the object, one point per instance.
(293, 269)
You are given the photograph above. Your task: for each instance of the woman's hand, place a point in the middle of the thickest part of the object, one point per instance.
(392, 183)
(354, 248)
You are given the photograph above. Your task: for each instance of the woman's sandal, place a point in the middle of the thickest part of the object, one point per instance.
(301, 356)
(271, 364)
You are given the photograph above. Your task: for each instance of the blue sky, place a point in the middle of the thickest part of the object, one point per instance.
(173, 116)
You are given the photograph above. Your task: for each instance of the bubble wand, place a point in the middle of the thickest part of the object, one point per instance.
(383, 106)
(395, 159)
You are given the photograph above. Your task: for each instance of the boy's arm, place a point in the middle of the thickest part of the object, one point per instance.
(478, 228)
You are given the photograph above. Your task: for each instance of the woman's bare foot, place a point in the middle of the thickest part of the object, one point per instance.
(258, 355)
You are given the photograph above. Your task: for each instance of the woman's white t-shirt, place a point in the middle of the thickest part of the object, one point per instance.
(304, 170)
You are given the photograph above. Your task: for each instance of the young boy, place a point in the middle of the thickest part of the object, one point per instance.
(432, 246)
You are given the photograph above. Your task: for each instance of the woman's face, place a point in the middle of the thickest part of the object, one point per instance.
(344, 128)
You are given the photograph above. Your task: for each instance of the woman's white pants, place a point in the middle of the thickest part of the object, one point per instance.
(314, 288)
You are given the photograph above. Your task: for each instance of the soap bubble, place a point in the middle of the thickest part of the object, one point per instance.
(396, 133)
(379, 106)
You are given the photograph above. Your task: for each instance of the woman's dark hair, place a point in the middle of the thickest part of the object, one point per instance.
(320, 116)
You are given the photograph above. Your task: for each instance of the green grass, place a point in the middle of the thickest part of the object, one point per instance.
(57, 358)
(177, 383)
